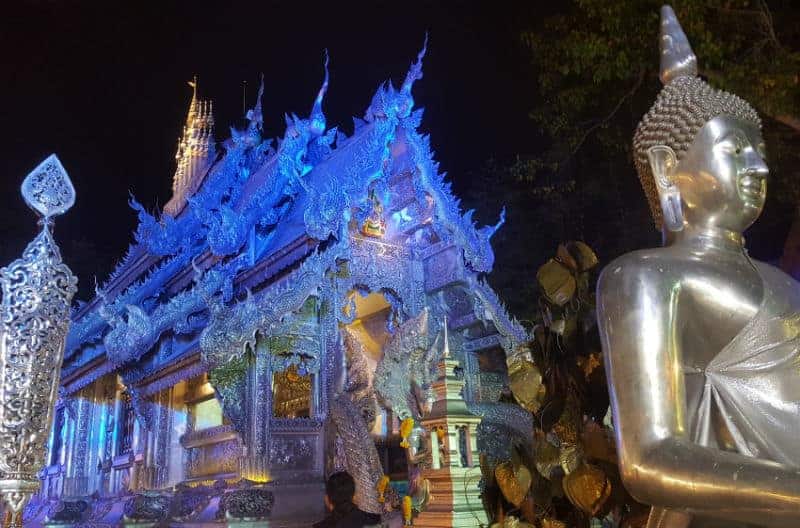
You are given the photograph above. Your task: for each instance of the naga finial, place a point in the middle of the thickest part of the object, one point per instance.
(317, 115)
(415, 72)
(254, 115)
(677, 57)
(489, 230)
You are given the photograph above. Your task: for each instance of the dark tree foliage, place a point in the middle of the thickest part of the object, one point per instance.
(596, 65)
(597, 75)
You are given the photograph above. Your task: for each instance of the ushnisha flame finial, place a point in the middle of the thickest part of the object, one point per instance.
(677, 57)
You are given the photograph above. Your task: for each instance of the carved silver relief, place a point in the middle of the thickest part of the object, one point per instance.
(34, 319)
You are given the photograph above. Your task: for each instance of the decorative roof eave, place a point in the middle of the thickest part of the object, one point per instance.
(94, 322)
(396, 106)
(130, 339)
(489, 307)
(368, 153)
(227, 206)
(224, 233)
(475, 242)
(232, 328)
(90, 327)
(135, 262)
(86, 374)
(292, 149)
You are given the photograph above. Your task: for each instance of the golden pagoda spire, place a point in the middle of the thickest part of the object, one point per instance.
(195, 150)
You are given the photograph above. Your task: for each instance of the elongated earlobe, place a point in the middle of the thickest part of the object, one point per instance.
(662, 163)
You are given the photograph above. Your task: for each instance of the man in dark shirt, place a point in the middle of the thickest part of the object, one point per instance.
(339, 492)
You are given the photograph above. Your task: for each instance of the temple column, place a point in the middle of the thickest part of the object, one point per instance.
(436, 462)
(76, 481)
(160, 436)
(104, 432)
(153, 418)
(115, 484)
(70, 406)
(333, 376)
(178, 426)
(254, 462)
(52, 484)
(99, 398)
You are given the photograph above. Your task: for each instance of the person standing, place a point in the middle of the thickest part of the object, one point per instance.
(340, 489)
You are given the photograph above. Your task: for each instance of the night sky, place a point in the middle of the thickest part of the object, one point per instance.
(106, 89)
(104, 85)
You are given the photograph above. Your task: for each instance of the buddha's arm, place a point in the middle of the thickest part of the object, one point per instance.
(659, 464)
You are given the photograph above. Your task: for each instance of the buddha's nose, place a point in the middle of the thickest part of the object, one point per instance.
(756, 164)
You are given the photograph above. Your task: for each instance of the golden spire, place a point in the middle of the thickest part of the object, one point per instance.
(195, 150)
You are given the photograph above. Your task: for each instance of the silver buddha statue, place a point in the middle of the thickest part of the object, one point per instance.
(702, 343)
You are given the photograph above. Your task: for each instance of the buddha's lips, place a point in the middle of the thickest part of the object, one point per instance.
(751, 185)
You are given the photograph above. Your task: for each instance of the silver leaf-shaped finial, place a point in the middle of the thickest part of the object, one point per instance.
(48, 189)
(677, 57)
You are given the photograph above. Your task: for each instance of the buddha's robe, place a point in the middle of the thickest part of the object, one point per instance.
(747, 398)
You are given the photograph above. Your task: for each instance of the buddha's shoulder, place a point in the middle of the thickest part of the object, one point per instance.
(631, 268)
(776, 277)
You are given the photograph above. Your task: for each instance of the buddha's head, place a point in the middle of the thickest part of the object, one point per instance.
(709, 141)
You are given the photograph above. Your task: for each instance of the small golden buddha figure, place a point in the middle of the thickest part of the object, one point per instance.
(702, 344)
(375, 224)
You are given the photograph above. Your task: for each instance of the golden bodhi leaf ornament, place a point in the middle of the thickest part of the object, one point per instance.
(525, 382)
(556, 282)
(512, 522)
(587, 488)
(513, 484)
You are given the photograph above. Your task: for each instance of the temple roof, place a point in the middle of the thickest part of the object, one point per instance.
(230, 212)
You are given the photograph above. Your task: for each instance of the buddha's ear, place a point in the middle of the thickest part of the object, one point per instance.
(663, 162)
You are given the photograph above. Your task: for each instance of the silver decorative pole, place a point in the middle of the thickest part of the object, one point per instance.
(37, 290)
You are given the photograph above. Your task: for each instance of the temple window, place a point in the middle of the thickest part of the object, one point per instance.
(128, 422)
(207, 414)
(463, 446)
(291, 393)
(204, 409)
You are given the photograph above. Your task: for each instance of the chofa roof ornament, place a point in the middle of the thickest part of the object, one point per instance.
(415, 71)
(317, 116)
